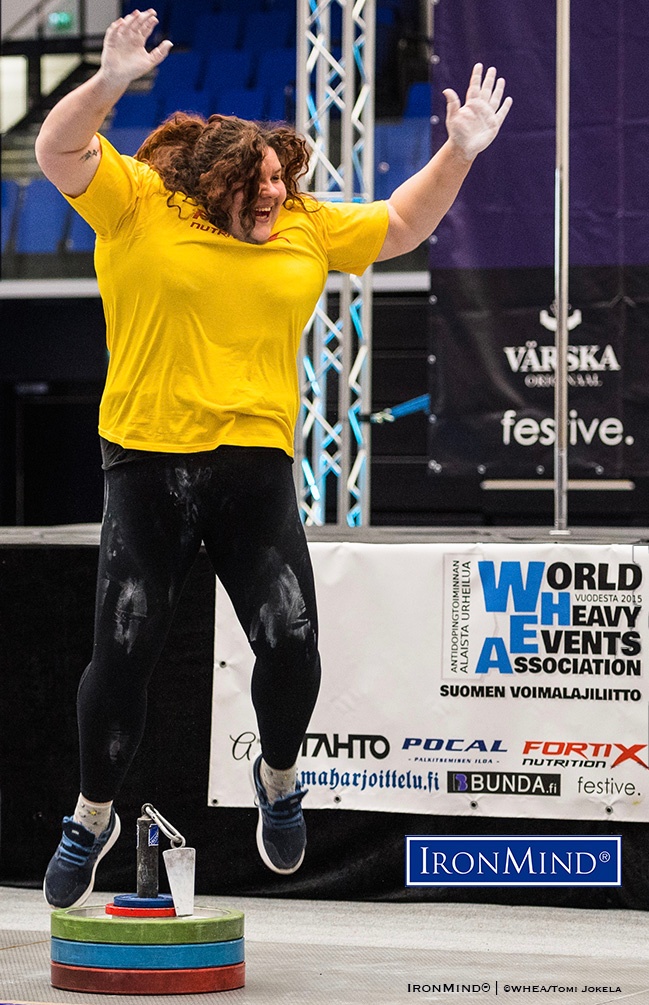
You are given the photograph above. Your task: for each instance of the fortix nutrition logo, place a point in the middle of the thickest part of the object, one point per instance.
(580, 754)
(199, 221)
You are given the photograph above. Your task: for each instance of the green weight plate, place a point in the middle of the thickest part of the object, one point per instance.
(92, 924)
(183, 956)
(147, 982)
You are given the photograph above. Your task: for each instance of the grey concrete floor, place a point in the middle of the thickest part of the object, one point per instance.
(343, 953)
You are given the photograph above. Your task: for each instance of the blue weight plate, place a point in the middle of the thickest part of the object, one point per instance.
(132, 900)
(141, 957)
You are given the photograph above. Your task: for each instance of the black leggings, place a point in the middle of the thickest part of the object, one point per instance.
(240, 502)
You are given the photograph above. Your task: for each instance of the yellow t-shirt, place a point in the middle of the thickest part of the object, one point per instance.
(203, 330)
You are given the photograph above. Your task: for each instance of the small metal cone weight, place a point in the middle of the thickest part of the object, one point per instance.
(180, 864)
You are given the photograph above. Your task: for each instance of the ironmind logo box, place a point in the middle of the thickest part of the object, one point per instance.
(507, 860)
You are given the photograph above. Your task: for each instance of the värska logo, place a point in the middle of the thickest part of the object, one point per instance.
(513, 861)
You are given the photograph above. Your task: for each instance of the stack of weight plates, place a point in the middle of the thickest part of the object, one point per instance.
(138, 946)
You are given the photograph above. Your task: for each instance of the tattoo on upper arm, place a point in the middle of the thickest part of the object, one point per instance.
(88, 154)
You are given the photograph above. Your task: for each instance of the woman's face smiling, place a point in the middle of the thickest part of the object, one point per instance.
(272, 193)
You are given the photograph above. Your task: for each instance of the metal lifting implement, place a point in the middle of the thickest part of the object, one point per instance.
(150, 942)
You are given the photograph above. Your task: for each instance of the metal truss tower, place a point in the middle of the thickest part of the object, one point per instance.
(335, 112)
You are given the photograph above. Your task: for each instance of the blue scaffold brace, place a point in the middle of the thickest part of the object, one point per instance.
(420, 404)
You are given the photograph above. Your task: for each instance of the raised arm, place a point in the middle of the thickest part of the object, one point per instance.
(67, 148)
(416, 207)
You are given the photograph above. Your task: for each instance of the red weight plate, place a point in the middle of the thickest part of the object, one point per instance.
(147, 982)
(141, 912)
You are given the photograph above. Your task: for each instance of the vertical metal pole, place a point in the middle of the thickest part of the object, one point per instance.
(365, 479)
(312, 116)
(336, 346)
(561, 249)
(301, 80)
(147, 857)
(348, 186)
(319, 332)
(20, 461)
(301, 91)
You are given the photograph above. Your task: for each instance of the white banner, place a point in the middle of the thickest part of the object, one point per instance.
(485, 679)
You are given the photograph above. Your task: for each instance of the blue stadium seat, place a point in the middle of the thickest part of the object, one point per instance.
(43, 220)
(245, 102)
(418, 101)
(217, 31)
(400, 149)
(386, 34)
(274, 29)
(186, 99)
(336, 28)
(128, 6)
(181, 20)
(10, 194)
(180, 70)
(277, 66)
(137, 110)
(227, 69)
(386, 11)
(245, 6)
(80, 236)
(128, 140)
(281, 104)
(163, 12)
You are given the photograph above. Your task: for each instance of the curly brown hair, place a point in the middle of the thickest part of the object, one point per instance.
(208, 160)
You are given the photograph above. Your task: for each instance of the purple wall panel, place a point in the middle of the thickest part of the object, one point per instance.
(504, 216)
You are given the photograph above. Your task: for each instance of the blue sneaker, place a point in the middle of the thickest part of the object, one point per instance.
(281, 831)
(70, 876)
